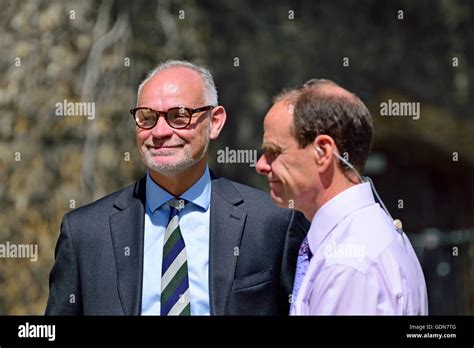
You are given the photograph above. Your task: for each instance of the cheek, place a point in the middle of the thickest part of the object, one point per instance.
(290, 172)
(304, 174)
(196, 138)
(142, 135)
(203, 130)
(185, 136)
(280, 167)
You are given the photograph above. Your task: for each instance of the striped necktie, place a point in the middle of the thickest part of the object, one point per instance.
(175, 298)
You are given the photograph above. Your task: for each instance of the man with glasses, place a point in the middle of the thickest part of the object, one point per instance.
(180, 241)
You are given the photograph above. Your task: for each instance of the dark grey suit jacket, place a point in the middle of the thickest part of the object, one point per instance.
(99, 255)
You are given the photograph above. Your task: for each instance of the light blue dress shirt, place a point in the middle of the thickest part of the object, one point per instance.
(195, 226)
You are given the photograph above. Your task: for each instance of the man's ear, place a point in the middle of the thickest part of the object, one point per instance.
(218, 118)
(324, 146)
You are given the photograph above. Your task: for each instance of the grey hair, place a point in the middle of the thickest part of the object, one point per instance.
(210, 91)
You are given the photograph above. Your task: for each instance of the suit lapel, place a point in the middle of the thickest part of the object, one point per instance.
(227, 221)
(127, 231)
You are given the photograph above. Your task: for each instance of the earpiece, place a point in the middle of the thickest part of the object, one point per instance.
(320, 151)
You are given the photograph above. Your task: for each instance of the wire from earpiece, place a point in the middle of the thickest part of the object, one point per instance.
(397, 223)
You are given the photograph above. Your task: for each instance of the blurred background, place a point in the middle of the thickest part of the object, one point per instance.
(99, 51)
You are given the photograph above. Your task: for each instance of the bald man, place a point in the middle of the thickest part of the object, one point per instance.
(181, 240)
(354, 260)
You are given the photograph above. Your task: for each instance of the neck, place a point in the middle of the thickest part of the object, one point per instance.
(180, 183)
(337, 184)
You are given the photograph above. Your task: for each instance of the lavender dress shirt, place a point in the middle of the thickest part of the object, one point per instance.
(361, 264)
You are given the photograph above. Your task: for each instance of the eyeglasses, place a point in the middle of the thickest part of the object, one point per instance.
(177, 118)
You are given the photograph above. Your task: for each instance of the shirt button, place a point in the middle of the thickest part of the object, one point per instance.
(400, 298)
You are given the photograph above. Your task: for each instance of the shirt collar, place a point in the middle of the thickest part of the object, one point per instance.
(199, 193)
(336, 209)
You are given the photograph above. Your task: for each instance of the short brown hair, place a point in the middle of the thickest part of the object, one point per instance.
(344, 118)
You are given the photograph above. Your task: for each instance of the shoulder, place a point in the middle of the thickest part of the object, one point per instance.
(103, 207)
(258, 205)
(247, 195)
(362, 239)
(251, 193)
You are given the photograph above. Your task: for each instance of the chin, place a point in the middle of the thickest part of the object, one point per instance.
(168, 166)
(279, 201)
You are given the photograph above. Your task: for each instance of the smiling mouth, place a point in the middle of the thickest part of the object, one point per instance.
(166, 150)
(163, 147)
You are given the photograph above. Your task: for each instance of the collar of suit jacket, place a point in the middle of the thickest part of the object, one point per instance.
(220, 186)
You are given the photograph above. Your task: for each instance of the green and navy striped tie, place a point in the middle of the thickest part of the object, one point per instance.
(175, 298)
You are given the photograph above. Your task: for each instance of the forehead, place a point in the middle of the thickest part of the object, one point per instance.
(279, 120)
(174, 85)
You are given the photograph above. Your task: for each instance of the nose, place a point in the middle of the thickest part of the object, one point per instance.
(162, 129)
(263, 167)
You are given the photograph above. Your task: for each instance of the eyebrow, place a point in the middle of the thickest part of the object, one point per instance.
(269, 146)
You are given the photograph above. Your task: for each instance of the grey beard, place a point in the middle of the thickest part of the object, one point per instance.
(176, 168)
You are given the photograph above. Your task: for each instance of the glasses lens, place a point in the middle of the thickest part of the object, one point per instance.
(145, 118)
(178, 117)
